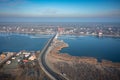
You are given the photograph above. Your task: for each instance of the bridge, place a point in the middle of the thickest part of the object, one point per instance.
(42, 62)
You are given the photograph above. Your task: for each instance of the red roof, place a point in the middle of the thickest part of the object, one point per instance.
(25, 60)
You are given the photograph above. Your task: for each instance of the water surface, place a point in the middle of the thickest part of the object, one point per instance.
(92, 46)
(18, 42)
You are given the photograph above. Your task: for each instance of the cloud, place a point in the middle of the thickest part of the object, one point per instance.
(111, 14)
(49, 11)
(115, 13)
(43, 12)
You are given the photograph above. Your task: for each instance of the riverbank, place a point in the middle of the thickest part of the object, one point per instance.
(75, 67)
(67, 57)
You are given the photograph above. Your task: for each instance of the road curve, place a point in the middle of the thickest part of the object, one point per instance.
(53, 75)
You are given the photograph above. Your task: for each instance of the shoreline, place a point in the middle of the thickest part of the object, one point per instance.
(75, 68)
(68, 57)
(104, 35)
(55, 53)
(77, 58)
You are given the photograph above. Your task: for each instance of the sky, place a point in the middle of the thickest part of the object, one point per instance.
(60, 10)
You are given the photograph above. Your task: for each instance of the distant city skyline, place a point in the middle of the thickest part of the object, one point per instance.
(59, 11)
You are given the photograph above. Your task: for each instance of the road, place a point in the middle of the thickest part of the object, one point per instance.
(44, 66)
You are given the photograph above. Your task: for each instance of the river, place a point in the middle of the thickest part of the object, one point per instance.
(17, 42)
(91, 46)
(107, 48)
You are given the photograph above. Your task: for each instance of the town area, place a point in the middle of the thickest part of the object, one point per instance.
(73, 28)
(20, 66)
